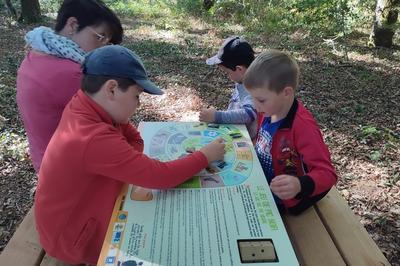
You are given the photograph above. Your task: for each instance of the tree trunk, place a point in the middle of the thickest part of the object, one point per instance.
(385, 20)
(30, 11)
(207, 4)
(11, 9)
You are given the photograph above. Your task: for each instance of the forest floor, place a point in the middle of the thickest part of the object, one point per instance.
(353, 92)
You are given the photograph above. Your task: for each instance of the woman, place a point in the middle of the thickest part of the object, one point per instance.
(51, 74)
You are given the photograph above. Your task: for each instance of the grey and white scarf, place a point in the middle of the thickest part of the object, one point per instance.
(45, 40)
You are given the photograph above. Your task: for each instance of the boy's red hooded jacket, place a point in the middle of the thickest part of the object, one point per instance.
(298, 149)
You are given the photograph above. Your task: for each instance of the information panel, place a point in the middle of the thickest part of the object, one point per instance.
(225, 215)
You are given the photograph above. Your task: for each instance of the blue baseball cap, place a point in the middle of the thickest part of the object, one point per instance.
(119, 62)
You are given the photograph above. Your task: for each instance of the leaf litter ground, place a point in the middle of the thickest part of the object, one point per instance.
(352, 91)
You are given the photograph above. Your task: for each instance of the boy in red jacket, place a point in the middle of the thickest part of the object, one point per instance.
(293, 155)
(94, 151)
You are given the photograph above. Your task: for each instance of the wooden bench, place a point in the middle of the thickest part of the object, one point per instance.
(24, 247)
(326, 234)
(330, 234)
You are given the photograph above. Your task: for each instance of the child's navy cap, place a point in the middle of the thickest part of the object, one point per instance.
(233, 52)
(119, 62)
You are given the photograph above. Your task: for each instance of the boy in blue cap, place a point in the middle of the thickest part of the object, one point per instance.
(94, 151)
(233, 58)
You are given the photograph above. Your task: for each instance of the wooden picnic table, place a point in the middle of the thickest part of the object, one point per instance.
(326, 234)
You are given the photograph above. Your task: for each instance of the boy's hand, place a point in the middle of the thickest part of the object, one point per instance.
(207, 115)
(285, 186)
(215, 150)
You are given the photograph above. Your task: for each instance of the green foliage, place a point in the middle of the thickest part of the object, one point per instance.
(371, 135)
(375, 156)
(370, 132)
(143, 8)
(50, 6)
(194, 7)
(323, 17)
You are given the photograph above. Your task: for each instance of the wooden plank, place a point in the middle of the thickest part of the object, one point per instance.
(350, 237)
(24, 247)
(49, 261)
(312, 243)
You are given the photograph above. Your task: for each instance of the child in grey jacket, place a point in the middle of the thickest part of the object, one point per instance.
(233, 58)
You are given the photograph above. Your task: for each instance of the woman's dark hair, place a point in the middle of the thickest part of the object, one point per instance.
(90, 13)
(92, 83)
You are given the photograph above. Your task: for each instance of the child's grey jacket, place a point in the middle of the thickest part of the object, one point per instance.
(240, 111)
